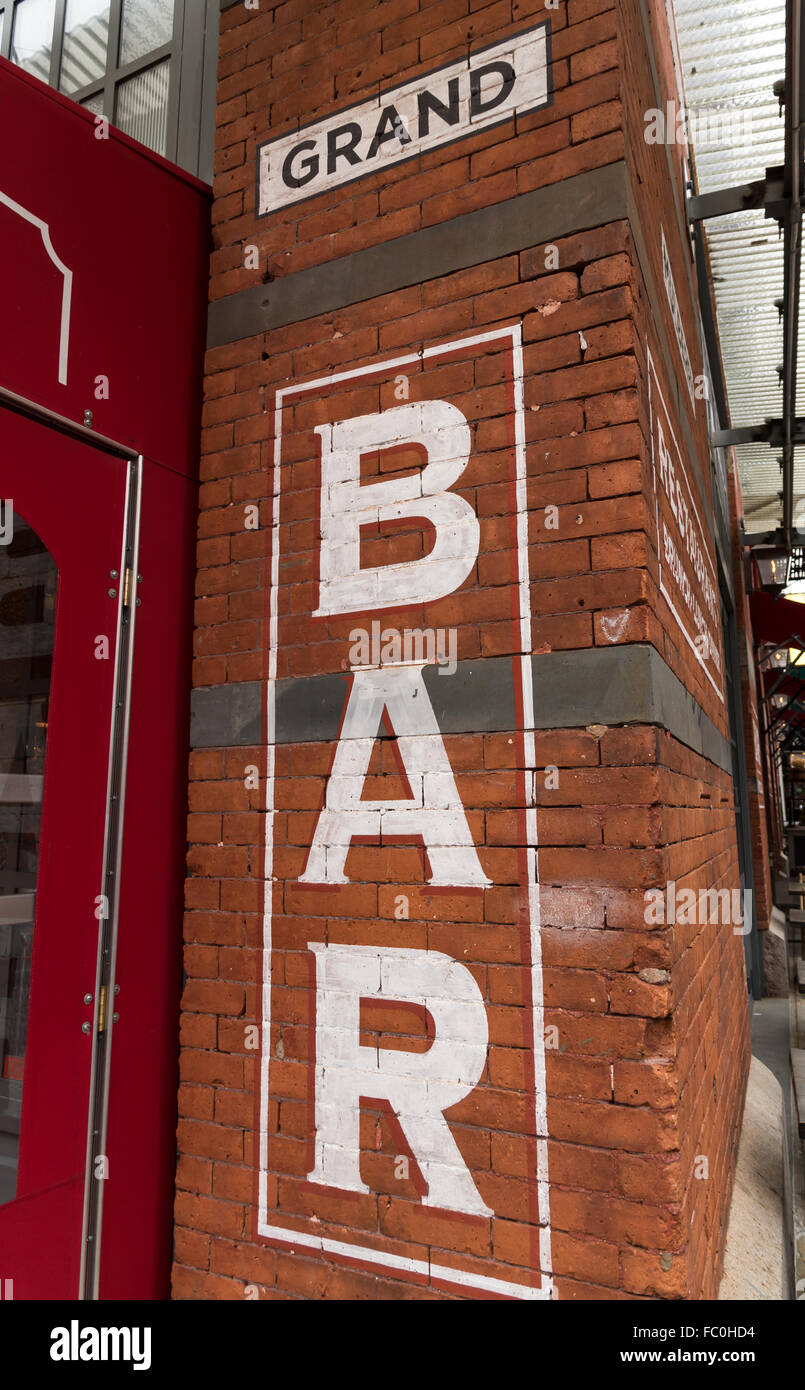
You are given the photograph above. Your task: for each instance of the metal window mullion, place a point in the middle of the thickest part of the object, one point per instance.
(92, 89)
(115, 24)
(148, 60)
(112, 54)
(58, 43)
(184, 94)
(174, 81)
(205, 144)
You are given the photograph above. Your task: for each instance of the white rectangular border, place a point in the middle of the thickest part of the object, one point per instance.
(341, 1249)
(652, 372)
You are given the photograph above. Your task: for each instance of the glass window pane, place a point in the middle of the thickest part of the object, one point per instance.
(94, 103)
(32, 36)
(147, 24)
(86, 37)
(141, 107)
(28, 578)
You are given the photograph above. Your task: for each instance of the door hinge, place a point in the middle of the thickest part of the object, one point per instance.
(128, 583)
(102, 1009)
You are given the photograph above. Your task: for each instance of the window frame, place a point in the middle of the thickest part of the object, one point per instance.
(191, 53)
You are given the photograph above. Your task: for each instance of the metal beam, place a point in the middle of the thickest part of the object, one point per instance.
(775, 537)
(771, 432)
(764, 193)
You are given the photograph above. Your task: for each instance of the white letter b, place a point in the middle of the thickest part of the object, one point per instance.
(442, 432)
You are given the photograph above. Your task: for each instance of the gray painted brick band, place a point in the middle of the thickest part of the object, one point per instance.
(586, 200)
(597, 685)
(226, 716)
(622, 685)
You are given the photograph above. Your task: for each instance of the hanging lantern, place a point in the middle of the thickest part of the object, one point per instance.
(771, 568)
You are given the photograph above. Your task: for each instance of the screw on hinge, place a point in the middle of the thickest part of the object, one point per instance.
(88, 419)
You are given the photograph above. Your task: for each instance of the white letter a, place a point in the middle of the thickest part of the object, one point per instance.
(434, 811)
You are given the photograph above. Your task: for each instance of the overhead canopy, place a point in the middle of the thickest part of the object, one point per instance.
(732, 52)
(777, 621)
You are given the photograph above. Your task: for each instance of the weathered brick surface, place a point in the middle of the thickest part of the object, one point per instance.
(646, 1061)
(275, 76)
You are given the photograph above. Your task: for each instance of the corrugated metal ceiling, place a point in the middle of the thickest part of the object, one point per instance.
(731, 57)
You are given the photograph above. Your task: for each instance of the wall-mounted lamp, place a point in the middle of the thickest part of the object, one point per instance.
(771, 568)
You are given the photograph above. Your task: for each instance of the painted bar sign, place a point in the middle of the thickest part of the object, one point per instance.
(484, 89)
(403, 1099)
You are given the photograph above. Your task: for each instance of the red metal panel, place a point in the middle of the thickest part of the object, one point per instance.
(130, 233)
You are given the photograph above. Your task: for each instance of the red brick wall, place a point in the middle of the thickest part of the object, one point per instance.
(298, 62)
(646, 1076)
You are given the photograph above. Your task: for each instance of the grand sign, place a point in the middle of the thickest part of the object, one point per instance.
(403, 1097)
(473, 93)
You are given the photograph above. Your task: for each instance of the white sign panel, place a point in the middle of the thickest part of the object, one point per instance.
(390, 1068)
(676, 315)
(687, 576)
(437, 108)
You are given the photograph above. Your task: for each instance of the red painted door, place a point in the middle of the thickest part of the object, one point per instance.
(63, 511)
